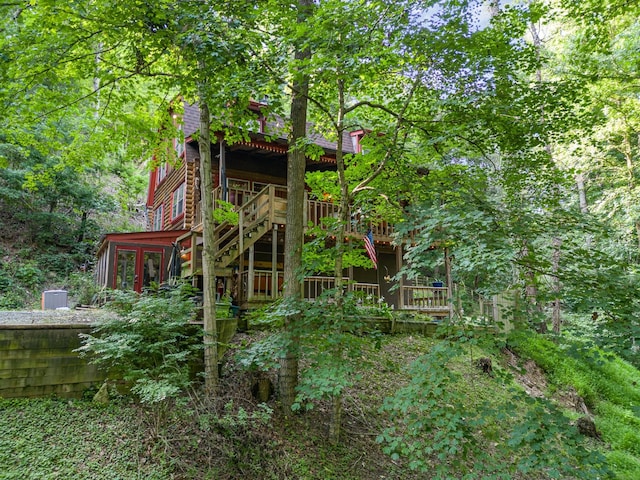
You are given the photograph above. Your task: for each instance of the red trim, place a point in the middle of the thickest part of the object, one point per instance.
(177, 219)
(152, 186)
(270, 147)
(164, 237)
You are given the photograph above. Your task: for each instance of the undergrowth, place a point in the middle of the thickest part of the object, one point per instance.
(609, 386)
(419, 409)
(54, 439)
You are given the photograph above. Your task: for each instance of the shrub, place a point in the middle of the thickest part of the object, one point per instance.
(29, 275)
(148, 342)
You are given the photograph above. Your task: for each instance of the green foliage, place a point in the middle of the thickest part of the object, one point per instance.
(225, 212)
(440, 427)
(328, 338)
(13, 300)
(18, 283)
(47, 439)
(82, 287)
(29, 275)
(148, 342)
(609, 386)
(263, 355)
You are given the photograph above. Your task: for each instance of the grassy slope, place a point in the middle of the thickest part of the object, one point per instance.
(234, 438)
(609, 386)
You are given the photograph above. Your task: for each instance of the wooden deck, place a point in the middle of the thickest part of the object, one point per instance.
(262, 213)
(434, 301)
(258, 214)
(315, 211)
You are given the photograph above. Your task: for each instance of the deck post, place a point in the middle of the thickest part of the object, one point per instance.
(274, 262)
(240, 231)
(272, 203)
(305, 210)
(401, 280)
(194, 258)
(251, 279)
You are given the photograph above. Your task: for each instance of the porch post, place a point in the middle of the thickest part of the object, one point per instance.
(401, 281)
(222, 172)
(305, 210)
(251, 278)
(194, 259)
(274, 262)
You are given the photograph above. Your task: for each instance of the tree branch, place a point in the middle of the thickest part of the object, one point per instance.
(394, 141)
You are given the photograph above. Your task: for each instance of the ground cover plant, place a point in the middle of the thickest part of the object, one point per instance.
(234, 435)
(148, 342)
(609, 386)
(54, 439)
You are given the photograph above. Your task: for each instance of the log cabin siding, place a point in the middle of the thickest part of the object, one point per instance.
(164, 195)
(191, 197)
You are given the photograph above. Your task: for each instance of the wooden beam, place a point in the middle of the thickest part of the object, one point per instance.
(274, 261)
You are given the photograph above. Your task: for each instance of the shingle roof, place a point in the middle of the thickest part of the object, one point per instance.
(274, 128)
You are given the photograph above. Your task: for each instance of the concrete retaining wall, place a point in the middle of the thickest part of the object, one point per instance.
(38, 360)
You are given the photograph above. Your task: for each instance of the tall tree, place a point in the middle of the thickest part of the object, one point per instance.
(294, 235)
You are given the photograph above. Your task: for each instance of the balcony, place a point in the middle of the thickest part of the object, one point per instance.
(315, 211)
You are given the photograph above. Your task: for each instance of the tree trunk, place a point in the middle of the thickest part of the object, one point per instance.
(294, 233)
(628, 155)
(208, 254)
(582, 196)
(556, 241)
(556, 318)
(449, 280)
(83, 227)
(335, 425)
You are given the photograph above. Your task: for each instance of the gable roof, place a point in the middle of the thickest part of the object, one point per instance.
(274, 130)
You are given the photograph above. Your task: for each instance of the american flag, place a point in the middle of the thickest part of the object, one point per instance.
(370, 248)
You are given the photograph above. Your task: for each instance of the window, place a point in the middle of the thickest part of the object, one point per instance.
(239, 191)
(258, 186)
(157, 218)
(178, 142)
(162, 172)
(177, 205)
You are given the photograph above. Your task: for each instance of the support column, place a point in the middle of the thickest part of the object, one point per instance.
(274, 262)
(250, 274)
(194, 259)
(401, 280)
(222, 172)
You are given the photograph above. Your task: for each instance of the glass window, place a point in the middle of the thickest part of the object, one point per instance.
(177, 205)
(151, 268)
(257, 186)
(162, 172)
(179, 142)
(157, 218)
(126, 272)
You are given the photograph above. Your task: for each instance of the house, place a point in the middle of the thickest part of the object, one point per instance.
(251, 175)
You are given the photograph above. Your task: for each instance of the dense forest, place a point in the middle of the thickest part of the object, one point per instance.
(502, 136)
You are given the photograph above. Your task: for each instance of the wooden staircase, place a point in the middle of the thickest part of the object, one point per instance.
(256, 217)
(230, 244)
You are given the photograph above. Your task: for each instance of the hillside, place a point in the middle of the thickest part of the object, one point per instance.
(42, 250)
(472, 423)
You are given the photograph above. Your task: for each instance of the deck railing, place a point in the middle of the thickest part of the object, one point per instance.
(260, 286)
(315, 211)
(416, 297)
